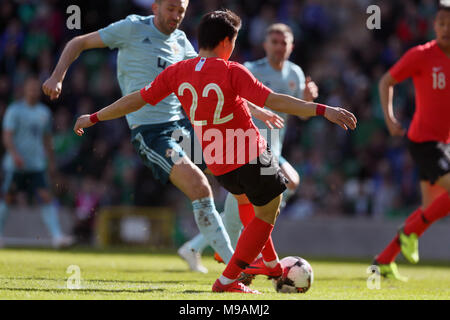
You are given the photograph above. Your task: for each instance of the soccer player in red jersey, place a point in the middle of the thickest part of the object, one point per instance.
(213, 92)
(428, 137)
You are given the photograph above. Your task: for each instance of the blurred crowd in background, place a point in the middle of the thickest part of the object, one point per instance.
(362, 173)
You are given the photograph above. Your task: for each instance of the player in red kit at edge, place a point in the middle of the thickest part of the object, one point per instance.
(428, 137)
(212, 90)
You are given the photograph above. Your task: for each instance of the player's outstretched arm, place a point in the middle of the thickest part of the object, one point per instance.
(298, 107)
(386, 90)
(52, 87)
(268, 117)
(121, 107)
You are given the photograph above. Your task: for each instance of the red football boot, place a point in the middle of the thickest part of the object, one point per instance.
(236, 286)
(258, 267)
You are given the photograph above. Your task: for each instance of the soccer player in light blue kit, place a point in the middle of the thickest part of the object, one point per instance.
(27, 139)
(283, 76)
(147, 45)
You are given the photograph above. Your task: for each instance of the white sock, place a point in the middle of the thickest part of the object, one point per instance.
(271, 264)
(231, 221)
(211, 226)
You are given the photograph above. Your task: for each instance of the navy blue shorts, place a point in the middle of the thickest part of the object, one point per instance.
(24, 181)
(161, 145)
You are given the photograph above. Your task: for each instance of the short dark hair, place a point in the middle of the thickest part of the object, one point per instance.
(216, 26)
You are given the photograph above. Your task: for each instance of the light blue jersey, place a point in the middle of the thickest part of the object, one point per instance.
(144, 52)
(29, 124)
(290, 80)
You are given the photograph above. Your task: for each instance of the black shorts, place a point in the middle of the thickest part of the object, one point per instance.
(261, 181)
(432, 159)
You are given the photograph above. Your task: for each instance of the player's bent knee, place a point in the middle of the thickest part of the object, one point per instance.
(198, 188)
(269, 217)
(190, 180)
(270, 211)
(202, 190)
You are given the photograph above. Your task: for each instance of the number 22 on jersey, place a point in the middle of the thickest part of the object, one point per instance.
(220, 102)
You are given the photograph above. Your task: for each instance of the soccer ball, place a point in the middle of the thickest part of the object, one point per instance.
(297, 276)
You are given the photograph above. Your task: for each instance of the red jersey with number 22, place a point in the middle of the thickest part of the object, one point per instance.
(213, 92)
(429, 68)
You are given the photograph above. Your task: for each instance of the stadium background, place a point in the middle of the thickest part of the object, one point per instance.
(360, 175)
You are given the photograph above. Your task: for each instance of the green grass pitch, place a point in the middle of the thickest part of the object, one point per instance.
(135, 274)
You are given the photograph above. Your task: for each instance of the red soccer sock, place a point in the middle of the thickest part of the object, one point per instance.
(438, 209)
(246, 213)
(268, 252)
(249, 245)
(390, 252)
(393, 248)
(414, 215)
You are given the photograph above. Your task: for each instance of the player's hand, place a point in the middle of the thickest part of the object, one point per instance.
(18, 161)
(83, 121)
(270, 118)
(52, 88)
(341, 117)
(395, 128)
(311, 91)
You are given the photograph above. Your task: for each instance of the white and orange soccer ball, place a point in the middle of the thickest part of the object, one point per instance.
(297, 277)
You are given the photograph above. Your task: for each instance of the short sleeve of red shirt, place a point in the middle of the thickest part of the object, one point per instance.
(159, 88)
(247, 86)
(407, 66)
